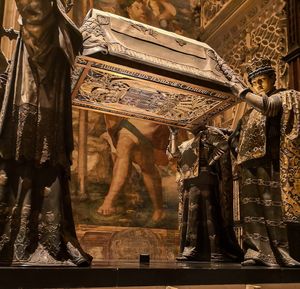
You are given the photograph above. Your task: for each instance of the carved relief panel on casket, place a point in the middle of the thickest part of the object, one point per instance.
(134, 70)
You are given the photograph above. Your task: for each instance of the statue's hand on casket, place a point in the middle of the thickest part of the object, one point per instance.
(239, 88)
(68, 4)
(172, 149)
(220, 149)
(216, 138)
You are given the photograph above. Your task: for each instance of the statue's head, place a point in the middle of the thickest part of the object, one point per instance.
(261, 75)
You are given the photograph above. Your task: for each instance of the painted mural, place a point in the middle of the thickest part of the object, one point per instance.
(129, 180)
(130, 200)
(172, 15)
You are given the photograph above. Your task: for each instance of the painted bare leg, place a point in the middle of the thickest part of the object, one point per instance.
(152, 180)
(121, 171)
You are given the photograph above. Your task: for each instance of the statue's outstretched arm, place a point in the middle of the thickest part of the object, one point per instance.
(269, 106)
(172, 149)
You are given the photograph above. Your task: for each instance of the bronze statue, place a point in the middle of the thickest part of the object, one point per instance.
(206, 200)
(267, 148)
(36, 223)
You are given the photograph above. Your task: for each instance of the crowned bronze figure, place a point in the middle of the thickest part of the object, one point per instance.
(267, 148)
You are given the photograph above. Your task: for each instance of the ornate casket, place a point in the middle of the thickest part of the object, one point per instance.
(134, 70)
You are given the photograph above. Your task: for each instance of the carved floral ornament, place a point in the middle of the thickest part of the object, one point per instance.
(117, 90)
(209, 9)
(260, 31)
(254, 29)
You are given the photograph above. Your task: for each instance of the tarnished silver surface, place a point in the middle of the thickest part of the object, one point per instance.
(130, 92)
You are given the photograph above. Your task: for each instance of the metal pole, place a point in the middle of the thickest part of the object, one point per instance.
(82, 154)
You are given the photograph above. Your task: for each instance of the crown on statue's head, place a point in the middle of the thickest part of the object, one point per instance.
(257, 67)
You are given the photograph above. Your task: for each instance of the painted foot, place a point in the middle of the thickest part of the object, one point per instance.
(158, 215)
(106, 209)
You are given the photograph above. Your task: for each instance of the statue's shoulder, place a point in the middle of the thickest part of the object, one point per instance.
(285, 91)
(289, 95)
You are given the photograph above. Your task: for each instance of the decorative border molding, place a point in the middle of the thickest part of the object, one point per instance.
(188, 105)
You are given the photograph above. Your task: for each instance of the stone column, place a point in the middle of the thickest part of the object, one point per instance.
(293, 55)
(10, 17)
(82, 153)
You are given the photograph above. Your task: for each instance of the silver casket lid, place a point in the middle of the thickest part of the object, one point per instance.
(107, 35)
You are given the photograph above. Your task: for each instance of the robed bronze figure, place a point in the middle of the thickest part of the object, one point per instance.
(36, 223)
(205, 198)
(267, 147)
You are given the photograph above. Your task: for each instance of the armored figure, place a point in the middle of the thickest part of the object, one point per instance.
(267, 148)
(205, 200)
(36, 223)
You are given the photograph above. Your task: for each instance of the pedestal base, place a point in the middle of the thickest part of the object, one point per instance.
(125, 274)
